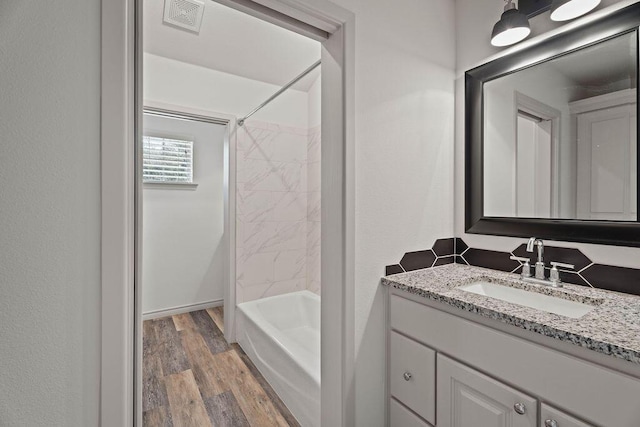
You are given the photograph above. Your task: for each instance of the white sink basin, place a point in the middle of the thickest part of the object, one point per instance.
(535, 300)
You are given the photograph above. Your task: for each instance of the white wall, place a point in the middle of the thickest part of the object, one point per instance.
(183, 248)
(179, 83)
(474, 20)
(50, 213)
(404, 108)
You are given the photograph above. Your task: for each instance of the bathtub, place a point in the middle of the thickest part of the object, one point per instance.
(281, 335)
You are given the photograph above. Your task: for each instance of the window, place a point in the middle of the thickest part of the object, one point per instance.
(167, 160)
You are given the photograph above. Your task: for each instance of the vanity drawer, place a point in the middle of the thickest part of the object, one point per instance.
(399, 416)
(412, 375)
(551, 417)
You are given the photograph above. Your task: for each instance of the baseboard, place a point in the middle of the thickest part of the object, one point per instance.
(156, 314)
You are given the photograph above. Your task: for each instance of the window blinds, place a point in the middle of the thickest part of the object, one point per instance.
(167, 160)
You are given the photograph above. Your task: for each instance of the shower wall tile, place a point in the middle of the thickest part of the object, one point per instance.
(313, 235)
(313, 209)
(313, 206)
(274, 236)
(271, 209)
(268, 175)
(256, 206)
(313, 145)
(313, 176)
(290, 265)
(256, 268)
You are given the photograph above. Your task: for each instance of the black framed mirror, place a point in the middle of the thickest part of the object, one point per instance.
(551, 137)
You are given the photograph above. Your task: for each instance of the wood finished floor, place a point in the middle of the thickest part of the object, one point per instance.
(193, 377)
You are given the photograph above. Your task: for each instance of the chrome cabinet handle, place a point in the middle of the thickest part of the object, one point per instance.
(520, 408)
(550, 423)
(407, 376)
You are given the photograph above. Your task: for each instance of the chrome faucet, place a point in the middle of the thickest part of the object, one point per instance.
(554, 278)
(540, 263)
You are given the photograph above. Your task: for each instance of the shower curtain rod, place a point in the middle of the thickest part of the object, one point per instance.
(278, 93)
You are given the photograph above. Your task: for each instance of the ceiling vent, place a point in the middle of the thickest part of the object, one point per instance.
(185, 14)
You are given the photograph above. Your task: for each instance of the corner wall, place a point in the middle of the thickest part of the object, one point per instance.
(404, 112)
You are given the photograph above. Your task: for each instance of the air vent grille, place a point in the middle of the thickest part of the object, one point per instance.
(185, 14)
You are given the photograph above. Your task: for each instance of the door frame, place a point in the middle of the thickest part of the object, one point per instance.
(545, 112)
(229, 241)
(121, 118)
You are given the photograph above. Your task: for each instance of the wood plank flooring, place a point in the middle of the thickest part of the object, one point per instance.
(192, 377)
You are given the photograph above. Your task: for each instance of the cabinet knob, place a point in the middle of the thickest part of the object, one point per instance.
(520, 408)
(407, 376)
(550, 423)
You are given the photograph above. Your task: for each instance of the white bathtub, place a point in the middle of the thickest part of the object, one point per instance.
(281, 335)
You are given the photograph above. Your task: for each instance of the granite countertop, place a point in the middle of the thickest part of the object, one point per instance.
(612, 328)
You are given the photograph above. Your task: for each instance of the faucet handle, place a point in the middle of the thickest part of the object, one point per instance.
(554, 275)
(563, 265)
(526, 267)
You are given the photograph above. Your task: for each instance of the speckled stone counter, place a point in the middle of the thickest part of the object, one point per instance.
(612, 328)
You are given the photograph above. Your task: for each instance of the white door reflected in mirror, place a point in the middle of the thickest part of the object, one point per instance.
(560, 137)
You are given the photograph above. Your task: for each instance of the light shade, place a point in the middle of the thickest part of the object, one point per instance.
(512, 27)
(564, 10)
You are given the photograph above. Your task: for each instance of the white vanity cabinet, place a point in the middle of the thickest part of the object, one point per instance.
(468, 398)
(465, 371)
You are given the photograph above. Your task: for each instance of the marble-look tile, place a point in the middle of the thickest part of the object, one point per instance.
(284, 287)
(290, 265)
(268, 175)
(256, 206)
(274, 145)
(239, 233)
(256, 268)
(313, 145)
(313, 206)
(313, 268)
(263, 290)
(273, 236)
(313, 234)
(314, 286)
(252, 123)
(314, 176)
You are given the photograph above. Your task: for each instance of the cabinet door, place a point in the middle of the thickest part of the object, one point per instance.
(467, 398)
(551, 417)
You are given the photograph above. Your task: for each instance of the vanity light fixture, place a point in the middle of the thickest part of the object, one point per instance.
(565, 10)
(512, 27)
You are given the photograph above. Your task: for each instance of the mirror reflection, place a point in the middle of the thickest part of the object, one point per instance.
(560, 137)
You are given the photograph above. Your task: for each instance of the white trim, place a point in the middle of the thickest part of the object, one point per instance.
(189, 186)
(180, 309)
(600, 102)
(117, 158)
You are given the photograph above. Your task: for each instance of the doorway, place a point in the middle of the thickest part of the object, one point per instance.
(122, 102)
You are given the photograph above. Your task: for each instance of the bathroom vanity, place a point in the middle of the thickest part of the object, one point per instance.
(459, 358)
